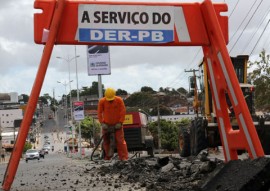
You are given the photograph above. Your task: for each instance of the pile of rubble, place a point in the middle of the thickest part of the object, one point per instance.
(191, 174)
(167, 173)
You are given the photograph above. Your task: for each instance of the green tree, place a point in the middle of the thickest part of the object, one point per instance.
(73, 93)
(147, 89)
(93, 90)
(90, 129)
(27, 146)
(121, 92)
(260, 77)
(43, 99)
(163, 110)
(25, 98)
(169, 134)
(140, 100)
(182, 90)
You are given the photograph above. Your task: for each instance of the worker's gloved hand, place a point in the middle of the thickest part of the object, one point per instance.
(118, 125)
(104, 126)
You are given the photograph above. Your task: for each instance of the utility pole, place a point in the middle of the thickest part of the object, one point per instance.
(159, 132)
(159, 94)
(196, 102)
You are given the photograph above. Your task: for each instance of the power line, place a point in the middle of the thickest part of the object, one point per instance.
(182, 73)
(246, 26)
(249, 41)
(260, 37)
(234, 9)
(199, 50)
(243, 20)
(192, 62)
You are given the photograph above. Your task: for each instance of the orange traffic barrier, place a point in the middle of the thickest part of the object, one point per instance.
(189, 27)
(223, 79)
(148, 24)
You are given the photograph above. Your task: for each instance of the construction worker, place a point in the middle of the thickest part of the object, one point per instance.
(111, 114)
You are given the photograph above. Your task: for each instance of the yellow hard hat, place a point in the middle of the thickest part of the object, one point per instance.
(109, 94)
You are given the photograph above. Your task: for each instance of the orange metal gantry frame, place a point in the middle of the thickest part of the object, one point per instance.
(80, 22)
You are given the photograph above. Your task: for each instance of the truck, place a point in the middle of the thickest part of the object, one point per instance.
(137, 134)
(203, 132)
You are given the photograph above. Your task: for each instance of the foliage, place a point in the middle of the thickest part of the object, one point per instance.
(147, 89)
(25, 98)
(163, 110)
(93, 90)
(121, 92)
(27, 146)
(147, 102)
(43, 99)
(169, 133)
(260, 77)
(141, 100)
(182, 90)
(90, 129)
(183, 122)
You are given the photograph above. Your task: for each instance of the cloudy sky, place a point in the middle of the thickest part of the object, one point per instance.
(131, 67)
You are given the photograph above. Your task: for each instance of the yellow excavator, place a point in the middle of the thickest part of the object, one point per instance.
(203, 131)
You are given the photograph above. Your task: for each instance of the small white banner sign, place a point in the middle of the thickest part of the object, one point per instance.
(78, 110)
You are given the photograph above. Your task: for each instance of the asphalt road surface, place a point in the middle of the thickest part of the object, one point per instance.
(207, 171)
(59, 170)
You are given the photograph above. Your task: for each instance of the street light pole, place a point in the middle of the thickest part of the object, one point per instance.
(65, 84)
(70, 102)
(77, 81)
(68, 60)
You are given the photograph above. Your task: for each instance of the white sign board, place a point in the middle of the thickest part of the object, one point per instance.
(98, 60)
(125, 23)
(78, 110)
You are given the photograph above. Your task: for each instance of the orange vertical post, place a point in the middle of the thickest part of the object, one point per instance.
(31, 106)
(223, 80)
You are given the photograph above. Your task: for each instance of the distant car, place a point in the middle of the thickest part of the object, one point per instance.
(32, 154)
(50, 116)
(48, 147)
(46, 137)
(47, 142)
(42, 153)
(46, 151)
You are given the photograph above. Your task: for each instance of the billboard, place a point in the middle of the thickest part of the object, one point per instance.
(98, 60)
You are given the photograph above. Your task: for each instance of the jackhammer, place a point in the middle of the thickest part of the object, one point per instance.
(110, 133)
